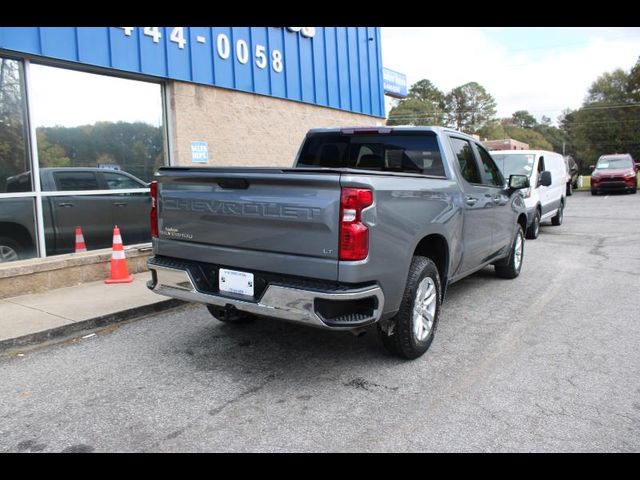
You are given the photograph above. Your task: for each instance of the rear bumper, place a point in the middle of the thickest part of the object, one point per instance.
(334, 309)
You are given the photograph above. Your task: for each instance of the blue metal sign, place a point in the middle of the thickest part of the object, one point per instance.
(395, 83)
(337, 67)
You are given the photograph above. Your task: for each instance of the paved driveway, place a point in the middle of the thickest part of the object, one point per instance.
(547, 362)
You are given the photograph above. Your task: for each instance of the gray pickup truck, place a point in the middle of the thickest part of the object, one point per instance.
(370, 226)
(95, 214)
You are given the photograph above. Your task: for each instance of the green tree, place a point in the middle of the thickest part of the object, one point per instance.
(609, 88)
(14, 152)
(50, 155)
(609, 119)
(524, 119)
(424, 105)
(527, 135)
(469, 107)
(556, 137)
(498, 131)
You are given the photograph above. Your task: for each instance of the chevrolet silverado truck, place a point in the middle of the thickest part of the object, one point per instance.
(95, 214)
(370, 226)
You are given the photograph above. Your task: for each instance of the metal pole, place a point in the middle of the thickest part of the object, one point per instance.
(35, 165)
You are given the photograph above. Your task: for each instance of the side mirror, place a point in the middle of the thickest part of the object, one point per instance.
(592, 167)
(545, 178)
(517, 182)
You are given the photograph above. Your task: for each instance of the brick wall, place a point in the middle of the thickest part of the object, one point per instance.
(244, 129)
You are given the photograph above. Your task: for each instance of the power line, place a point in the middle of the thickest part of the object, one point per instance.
(587, 107)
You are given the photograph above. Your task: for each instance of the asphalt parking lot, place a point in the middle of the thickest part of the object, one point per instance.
(547, 362)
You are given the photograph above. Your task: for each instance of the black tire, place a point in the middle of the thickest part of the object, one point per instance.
(634, 190)
(534, 229)
(593, 192)
(512, 266)
(557, 220)
(400, 338)
(233, 317)
(10, 250)
(569, 189)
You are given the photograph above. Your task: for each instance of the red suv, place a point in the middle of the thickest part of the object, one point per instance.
(614, 172)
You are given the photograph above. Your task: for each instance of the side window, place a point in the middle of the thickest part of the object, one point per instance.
(66, 181)
(491, 171)
(117, 181)
(466, 160)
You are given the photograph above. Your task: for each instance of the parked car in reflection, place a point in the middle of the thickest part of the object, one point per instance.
(616, 172)
(95, 214)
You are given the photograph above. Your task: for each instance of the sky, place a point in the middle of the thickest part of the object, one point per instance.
(540, 69)
(71, 98)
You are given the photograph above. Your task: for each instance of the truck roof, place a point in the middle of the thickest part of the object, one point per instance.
(387, 129)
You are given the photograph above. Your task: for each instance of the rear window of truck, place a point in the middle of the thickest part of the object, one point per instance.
(391, 152)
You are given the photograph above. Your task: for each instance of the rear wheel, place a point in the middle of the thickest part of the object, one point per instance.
(230, 315)
(410, 333)
(534, 229)
(557, 220)
(594, 192)
(513, 263)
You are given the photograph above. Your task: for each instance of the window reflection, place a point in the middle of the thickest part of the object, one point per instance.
(14, 151)
(90, 120)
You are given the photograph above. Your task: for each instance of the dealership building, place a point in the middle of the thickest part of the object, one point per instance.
(87, 114)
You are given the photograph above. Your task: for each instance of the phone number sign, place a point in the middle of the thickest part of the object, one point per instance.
(338, 67)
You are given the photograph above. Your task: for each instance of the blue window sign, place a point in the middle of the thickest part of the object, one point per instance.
(395, 83)
(199, 152)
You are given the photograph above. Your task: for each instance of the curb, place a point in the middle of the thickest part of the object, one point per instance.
(91, 323)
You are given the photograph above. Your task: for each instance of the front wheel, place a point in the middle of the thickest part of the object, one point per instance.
(511, 268)
(410, 333)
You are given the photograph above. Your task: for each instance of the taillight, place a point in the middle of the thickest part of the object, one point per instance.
(153, 216)
(354, 235)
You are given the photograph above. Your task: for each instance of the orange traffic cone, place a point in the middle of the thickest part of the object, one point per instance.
(80, 245)
(119, 271)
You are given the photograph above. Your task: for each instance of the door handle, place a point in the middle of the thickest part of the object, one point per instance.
(471, 201)
(120, 204)
(65, 204)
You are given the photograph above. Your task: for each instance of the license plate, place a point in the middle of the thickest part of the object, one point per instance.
(235, 282)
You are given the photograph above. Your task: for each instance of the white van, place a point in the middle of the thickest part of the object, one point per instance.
(547, 171)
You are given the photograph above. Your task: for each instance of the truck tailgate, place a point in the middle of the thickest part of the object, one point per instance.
(267, 209)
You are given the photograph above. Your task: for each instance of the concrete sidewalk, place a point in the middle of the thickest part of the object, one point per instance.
(36, 318)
